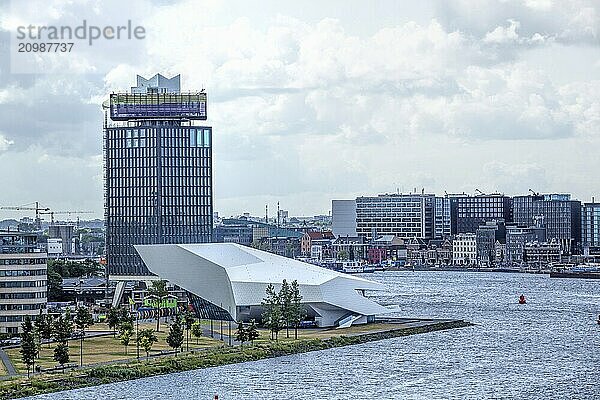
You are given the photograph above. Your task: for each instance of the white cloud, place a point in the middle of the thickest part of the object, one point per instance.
(4, 143)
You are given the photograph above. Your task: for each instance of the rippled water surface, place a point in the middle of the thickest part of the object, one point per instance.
(547, 348)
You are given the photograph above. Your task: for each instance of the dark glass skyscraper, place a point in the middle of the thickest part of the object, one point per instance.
(560, 215)
(157, 171)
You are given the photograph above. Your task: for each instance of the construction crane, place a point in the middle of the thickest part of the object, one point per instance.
(533, 192)
(38, 210)
(51, 213)
(480, 192)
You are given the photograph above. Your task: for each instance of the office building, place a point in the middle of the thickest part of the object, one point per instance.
(517, 237)
(403, 215)
(343, 215)
(490, 238)
(475, 211)
(590, 225)
(442, 217)
(23, 279)
(560, 215)
(158, 171)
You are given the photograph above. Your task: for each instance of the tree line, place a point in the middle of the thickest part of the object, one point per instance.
(283, 309)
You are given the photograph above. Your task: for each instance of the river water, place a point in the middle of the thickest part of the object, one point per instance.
(548, 348)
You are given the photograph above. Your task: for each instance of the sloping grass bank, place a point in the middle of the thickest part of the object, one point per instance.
(48, 383)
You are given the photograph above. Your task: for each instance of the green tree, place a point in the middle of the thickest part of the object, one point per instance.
(113, 319)
(39, 324)
(125, 316)
(342, 255)
(61, 354)
(146, 339)
(55, 292)
(296, 309)
(272, 318)
(125, 334)
(285, 300)
(62, 331)
(175, 337)
(158, 289)
(188, 321)
(83, 319)
(28, 346)
(197, 330)
(252, 332)
(241, 335)
(63, 327)
(44, 325)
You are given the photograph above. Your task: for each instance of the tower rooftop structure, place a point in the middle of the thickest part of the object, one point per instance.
(157, 98)
(157, 84)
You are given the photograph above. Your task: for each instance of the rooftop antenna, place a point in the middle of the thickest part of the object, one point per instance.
(266, 213)
(278, 214)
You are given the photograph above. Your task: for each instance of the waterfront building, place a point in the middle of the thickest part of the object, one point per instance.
(560, 215)
(157, 171)
(354, 247)
(490, 237)
(23, 279)
(475, 211)
(517, 237)
(387, 248)
(343, 217)
(464, 249)
(323, 240)
(227, 281)
(435, 253)
(403, 215)
(443, 217)
(541, 255)
(590, 226)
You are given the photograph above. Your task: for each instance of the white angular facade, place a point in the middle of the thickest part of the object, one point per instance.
(233, 279)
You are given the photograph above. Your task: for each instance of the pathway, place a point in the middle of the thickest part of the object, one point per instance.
(10, 368)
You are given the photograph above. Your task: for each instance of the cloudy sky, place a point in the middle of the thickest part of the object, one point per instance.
(315, 100)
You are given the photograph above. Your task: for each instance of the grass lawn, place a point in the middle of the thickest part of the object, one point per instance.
(105, 349)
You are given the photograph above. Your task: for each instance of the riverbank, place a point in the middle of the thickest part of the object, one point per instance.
(54, 382)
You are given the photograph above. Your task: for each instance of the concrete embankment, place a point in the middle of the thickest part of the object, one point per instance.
(47, 383)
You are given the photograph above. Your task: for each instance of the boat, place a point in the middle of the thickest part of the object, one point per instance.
(351, 267)
(582, 271)
(522, 299)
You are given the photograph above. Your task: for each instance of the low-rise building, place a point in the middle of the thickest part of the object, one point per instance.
(322, 239)
(540, 255)
(23, 279)
(464, 249)
(351, 248)
(387, 248)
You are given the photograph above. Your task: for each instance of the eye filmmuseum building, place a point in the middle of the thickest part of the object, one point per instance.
(157, 171)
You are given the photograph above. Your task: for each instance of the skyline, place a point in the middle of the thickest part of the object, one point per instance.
(310, 104)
